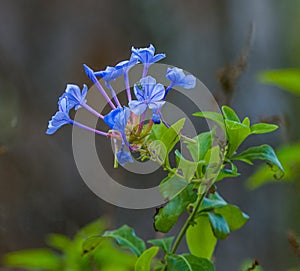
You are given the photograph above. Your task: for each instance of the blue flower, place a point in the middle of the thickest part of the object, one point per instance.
(178, 78)
(146, 55)
(124, 157)
(61, 117)
(117, 119)
(90, 73)
(148, 94)
(75, 96)
(111, 73)
(156, 115)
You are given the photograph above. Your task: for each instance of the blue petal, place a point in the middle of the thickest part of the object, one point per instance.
(157, 93)
(137, 107)
(178, 78)
(75, 96)
(158, 57)
(90, 73)
(153, 105)
(109, 119)
(126, 65)
(156, 116)
(60, 118)
(121, 120)
(124, 157)
(189, 81)
(117, 119)
(146, 55)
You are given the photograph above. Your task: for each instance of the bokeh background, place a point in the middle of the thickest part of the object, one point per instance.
(43, 45)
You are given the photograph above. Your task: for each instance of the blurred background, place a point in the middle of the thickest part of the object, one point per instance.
(43, 45)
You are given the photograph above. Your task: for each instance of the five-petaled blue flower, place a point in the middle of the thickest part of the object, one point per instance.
(146, 55)
(148, 94)
(76, 97)
(61, 117)
(178, 78)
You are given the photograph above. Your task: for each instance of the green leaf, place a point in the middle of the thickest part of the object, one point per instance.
(288, 79)
(126, 238)
(157, 131)
(33, 259)
(164, 243)
(185, 167)
(168, 215)
(143, 263)
(109, 257)
(228, 172)
(94, 228)
(171, 186)
(158, 151)
(188, 262)
(91, 244)
(263, 128)
(58, 241)
(234, 217)
(246, 121)
(171, 136)
(229, 114)
(236, 134)
(200, 238)
(203, 143)
(219, 225)
(216, 117)
(213, 202)
(289, 155)
(263, 152)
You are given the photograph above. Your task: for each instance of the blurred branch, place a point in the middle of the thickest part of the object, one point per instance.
(253, 266)
(294, 243)
(230, 74)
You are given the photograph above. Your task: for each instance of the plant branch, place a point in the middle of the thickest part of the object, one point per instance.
(187, 223)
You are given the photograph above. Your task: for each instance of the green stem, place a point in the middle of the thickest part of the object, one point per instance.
(187, 223)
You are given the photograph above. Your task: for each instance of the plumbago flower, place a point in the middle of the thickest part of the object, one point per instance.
(148, 94)
(126, 122)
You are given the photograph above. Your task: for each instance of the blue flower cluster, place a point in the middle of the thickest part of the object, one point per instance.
(122, 119)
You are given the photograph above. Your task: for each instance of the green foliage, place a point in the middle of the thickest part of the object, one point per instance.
(188, 262)
(219, 225)
(215, 220)
(143, 263)
(167, 138)
(288, 79)
(171, 186)
(83, 252)
(214, 116)
(168, 215)
(263, 152)
(236, 131)
(201, 146)
(33, 259)
(200, 238)
(290, 158)
(164, 243)
(126, 238)
(233, 216)
(189, 187)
